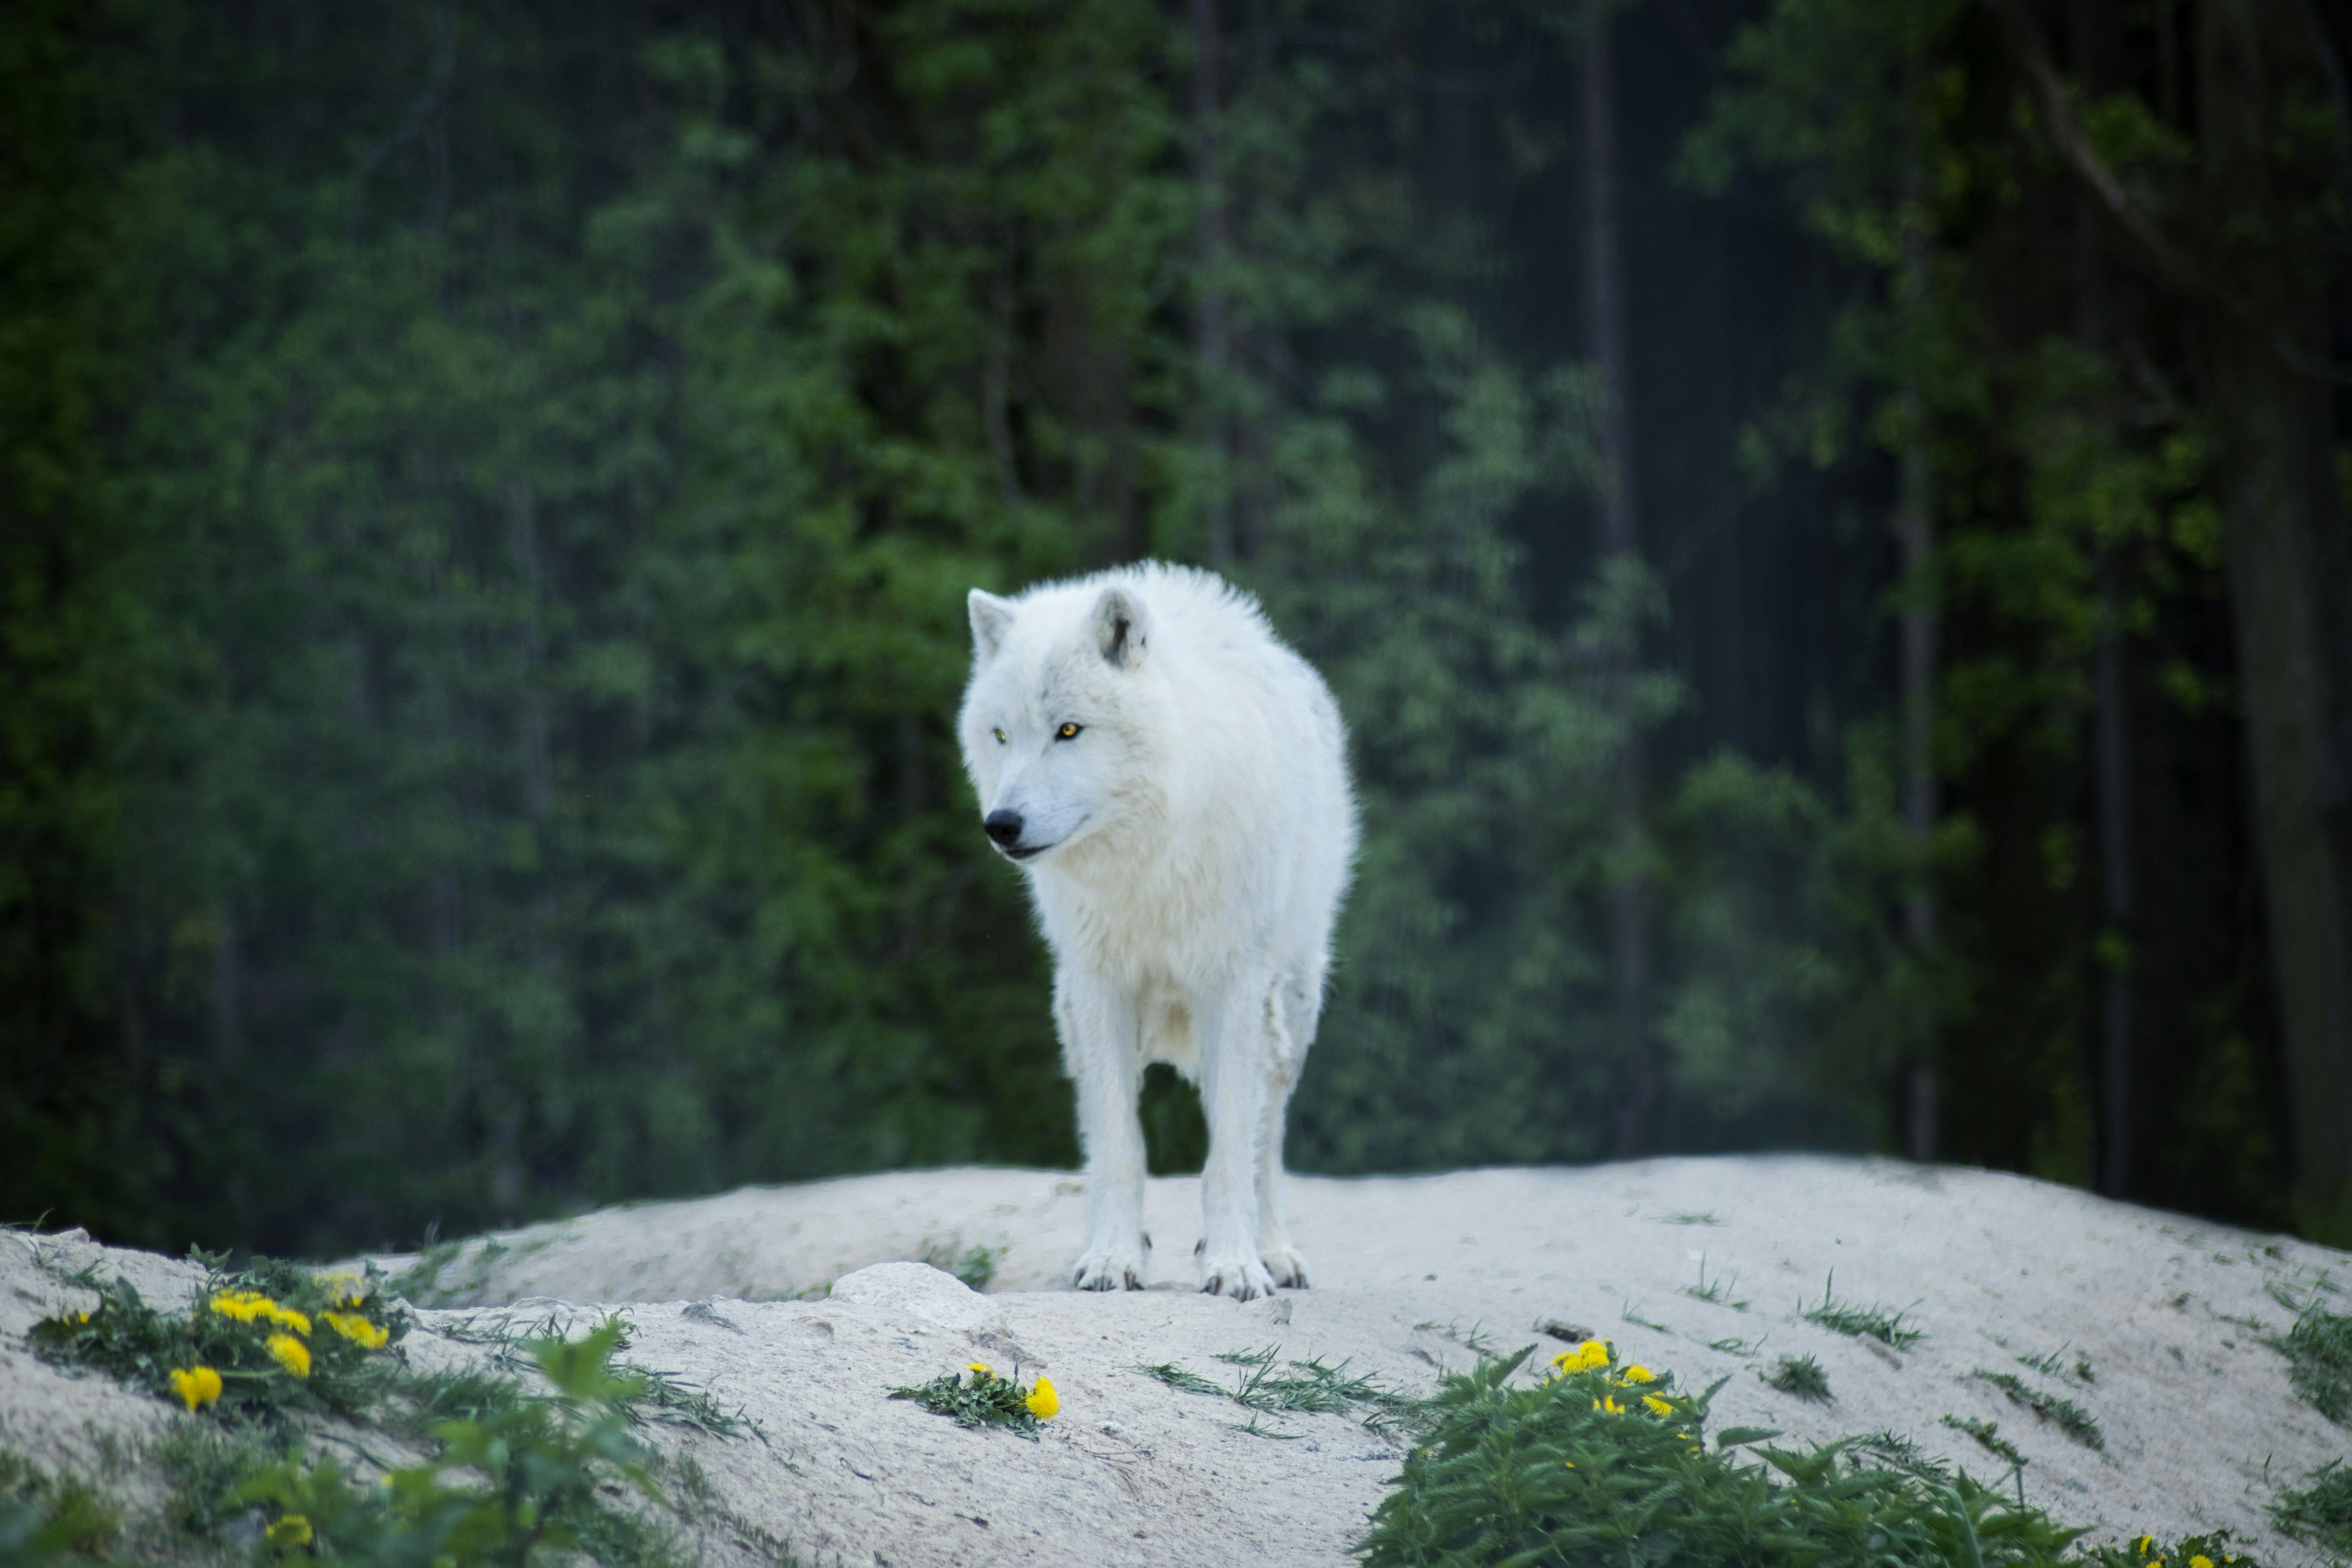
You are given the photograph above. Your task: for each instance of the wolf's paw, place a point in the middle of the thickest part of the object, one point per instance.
(1289, 1269)
(1107, 1268)
(1242, 1279)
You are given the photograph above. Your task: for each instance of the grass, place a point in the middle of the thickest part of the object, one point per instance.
(2063, 1413)
(1987, 1437)
(974, 1264)
(1717, 1293)
(2320, 1511)
(1505, 1472)
(2318, 1350)
(1802, 1376)
(1857, 1322)
(1266, 1385)
(44, 1515)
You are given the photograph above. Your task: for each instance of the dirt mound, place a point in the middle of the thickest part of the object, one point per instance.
(797, 1306)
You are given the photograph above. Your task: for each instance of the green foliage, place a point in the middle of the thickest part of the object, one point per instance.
(1266, 1385)
(2318, 1349)
(1987, 1437)
(1859, 1321)
(1802, 1376)
(1550, 1475)
(974, 1264)
(519, 1485)
(279, 1338)
(2319, 1512)
(986, 1400)
(2060, 1412)
(48, 1520)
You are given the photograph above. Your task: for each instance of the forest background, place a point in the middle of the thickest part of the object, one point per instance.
(1825, 518)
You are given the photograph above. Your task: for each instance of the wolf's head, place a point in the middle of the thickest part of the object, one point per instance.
(1062, 719)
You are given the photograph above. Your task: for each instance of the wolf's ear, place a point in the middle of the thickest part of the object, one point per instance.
(1121, 630)
(992, 617)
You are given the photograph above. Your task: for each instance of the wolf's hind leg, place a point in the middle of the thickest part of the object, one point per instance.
(1284, 1050)
(1099, 1046)
(1234, 1088)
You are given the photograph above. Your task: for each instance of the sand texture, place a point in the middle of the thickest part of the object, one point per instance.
(731, 1293)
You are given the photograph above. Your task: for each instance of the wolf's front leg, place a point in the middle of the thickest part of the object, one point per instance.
(1235, 1085)
(1099, 1046)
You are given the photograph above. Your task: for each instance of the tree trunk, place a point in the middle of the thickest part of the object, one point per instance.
(2097, 46)
(2289, 583)
(1620, 536)
(1915, 532)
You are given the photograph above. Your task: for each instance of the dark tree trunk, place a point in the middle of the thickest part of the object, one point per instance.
(2095, 50)
(2289, 582)
(1620, 536)
(1915, 532)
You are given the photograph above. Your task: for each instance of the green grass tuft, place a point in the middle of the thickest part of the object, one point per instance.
(974, 1264)
(1988, 1435)
(1802, 1376)
(1715, 1292)
(1309, 1386)
(2063, 1413)
(2318, 1350)
(2321, 1512)
(1859, 1322)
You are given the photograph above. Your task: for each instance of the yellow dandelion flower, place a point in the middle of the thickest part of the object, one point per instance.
(1582, 1357)
(287, 1318)
(356, 1329)
(2200, 1561)
(342, 1288)
(291, 1530)
(244, 1306)
(1610, 1404)
(1568, 1464)
(2141, 1547)
(979, 1374)
(291, 1354)
(1639, 1375)
(1658, 1406)
(1045, 1404)
(196, 1385)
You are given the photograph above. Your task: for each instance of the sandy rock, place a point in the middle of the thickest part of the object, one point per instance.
(731, 1293)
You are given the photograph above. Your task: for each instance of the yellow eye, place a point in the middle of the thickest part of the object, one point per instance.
(1000, 736)
(1066, 733)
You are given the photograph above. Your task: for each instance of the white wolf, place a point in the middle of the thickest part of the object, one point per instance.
(1173, 781)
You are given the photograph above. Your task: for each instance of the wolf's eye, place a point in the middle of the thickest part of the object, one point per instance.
(1000, 736)
(1067, 732)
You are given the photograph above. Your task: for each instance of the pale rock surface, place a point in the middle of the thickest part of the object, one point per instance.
(731, 1293)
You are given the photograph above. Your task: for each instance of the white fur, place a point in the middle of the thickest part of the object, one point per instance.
(1187, 852)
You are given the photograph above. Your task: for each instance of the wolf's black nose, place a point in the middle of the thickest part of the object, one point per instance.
(1004, 826)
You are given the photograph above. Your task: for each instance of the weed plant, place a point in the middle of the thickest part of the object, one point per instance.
(1567, 1473)
(1309, 1387)
(1802, 1376)
(521, 1483)
(268, 1340)
(44, 1517)
(2321, 1512)
(485, 1467)
(2318, 1350)
(987, 1400)
(2063, 1413)
(1989, 1438)
(974, 1264)
(1859, 1322)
